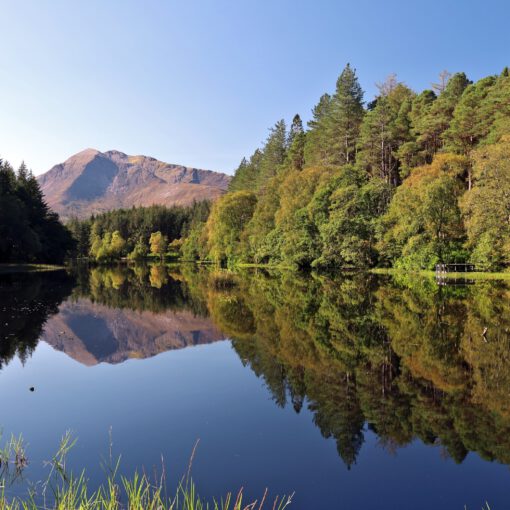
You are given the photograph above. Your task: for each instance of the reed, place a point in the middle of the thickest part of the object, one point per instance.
(63, 490)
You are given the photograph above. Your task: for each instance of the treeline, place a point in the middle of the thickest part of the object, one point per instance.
(407, 180)
(29, 231)
(137, 232)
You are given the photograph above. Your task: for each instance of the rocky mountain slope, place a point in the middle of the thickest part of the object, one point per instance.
(92, 182)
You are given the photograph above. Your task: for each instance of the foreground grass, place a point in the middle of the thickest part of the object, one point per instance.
(137, 493)
(63, 490)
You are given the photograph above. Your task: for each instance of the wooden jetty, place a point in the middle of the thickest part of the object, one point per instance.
(454, 268)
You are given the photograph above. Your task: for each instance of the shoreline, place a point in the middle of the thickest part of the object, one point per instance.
(475, 275)
(28, 268)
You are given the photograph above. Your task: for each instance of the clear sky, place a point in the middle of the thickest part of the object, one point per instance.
(198, 82)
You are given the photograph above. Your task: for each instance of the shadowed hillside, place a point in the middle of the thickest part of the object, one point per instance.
(91, 182)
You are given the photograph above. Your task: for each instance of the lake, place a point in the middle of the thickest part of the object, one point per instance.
(358, 391)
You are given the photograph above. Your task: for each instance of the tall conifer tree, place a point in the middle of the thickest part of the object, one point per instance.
(344, 118)
(316, 141)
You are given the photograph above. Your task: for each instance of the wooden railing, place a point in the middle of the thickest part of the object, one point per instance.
(455, 268)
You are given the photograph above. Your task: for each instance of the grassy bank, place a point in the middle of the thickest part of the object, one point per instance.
(266, 266)
(476, 275)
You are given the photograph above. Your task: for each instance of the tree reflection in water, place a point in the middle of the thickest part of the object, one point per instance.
(404, 357)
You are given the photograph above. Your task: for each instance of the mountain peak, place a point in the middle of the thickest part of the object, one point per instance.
(85, 153)
(91, 182)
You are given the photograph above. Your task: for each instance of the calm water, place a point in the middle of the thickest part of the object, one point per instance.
(355, 392)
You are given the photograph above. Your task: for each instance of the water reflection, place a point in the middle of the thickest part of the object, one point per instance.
(410, 359)
(406, 358)
(26, 302)
(120, 313)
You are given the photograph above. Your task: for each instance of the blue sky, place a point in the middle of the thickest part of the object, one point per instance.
(199, 82)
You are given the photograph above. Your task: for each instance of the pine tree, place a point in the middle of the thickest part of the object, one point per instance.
(296, 128)
(241, 176)
(273, 153)
(438, 117)
(469, 125)
(495, 109)
(246, 174)
(316, 142)
(7, 179)
(384, 129)
(29, 232)
(296, 144)
(344, 118)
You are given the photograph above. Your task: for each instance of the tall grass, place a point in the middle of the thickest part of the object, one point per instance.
(63, 490)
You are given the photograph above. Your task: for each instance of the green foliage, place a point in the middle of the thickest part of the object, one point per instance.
(299, 237)
(385, 129)
(109, 247)
(29, 231)
(229, 216)
(486, 206)
(388, 184)
(158, 244)
(175, 247)
(264, 163)
(135, 226)
(260, 240)
(345, 209)
(495, 109)
(139, 252)
(295, 158)
(315, 150)
(343, 120)
(194, 246)
(80, 230)
(436, 117)
(273, 155)
(423, 225)
(336, 123)
(470, 123)
(245, 176)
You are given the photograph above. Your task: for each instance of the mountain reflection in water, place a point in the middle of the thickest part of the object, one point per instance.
(404, 357)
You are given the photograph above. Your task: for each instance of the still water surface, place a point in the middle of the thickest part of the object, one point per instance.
(356, 392)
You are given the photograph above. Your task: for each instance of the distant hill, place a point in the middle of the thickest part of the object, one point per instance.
(92, 182)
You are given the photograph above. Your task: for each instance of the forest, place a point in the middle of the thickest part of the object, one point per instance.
(29, 231)
(407, 180)
(136, 233)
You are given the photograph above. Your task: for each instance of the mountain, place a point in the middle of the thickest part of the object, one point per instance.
(92, 182)
(92, 333)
